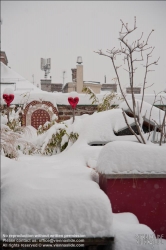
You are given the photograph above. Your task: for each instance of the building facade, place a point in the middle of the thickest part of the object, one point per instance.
(47, 85)
(136, 90)
(78, 82)
(109, 87)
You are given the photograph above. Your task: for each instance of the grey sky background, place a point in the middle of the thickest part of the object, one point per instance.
(63, 30)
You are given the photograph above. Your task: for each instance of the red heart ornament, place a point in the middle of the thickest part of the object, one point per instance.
(73, 101)
(8, 98)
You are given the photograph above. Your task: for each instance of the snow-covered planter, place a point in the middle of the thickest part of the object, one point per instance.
(133, 176)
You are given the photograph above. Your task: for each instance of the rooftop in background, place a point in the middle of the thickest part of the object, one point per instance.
(24, 90)
(92, 82)
(47, 85)
(3, 57)
(109, 87)
(136, 90)
(78, 82)
(9, 77)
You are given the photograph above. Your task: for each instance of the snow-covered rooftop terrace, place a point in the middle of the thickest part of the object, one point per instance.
(61, 195)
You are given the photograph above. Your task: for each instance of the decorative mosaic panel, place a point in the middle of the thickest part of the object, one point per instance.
(39, 117)
(32, 107)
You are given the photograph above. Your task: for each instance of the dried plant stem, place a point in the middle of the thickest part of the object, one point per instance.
(120, 85)
(132, 131)
(8, 109)
(162, 129)
(73, 115)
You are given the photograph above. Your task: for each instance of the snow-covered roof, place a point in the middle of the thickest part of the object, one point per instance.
(9, 76)
(24, 91)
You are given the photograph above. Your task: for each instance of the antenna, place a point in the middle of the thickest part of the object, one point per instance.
(64, 72)
(33, 78)
(46, 66)
(105, 79)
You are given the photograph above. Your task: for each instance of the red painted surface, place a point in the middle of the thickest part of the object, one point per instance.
(146, 198)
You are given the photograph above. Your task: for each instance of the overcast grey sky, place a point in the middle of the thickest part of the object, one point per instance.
(63, 30)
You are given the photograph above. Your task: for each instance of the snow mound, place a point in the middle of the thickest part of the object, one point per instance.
(128, 218)
(102, 126)
(50, 197)
(128, 237)
(130, 157)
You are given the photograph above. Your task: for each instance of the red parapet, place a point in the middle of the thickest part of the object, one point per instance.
(141, 195)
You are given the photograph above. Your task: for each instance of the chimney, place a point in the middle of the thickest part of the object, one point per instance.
(104, 79)
(74, 75)
(79, 77)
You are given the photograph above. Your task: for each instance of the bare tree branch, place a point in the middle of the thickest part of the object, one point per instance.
(149, 86)
(132, 131)
(129, 49)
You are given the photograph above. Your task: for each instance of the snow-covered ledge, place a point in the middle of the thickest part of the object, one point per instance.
(125, 157)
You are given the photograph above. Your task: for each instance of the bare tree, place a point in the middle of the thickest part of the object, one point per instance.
(129, 50)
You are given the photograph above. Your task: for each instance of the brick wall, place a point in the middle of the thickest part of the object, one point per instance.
(65, 111)
(46, 87)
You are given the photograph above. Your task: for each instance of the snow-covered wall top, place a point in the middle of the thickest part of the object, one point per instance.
(131, 158)
(62, 98)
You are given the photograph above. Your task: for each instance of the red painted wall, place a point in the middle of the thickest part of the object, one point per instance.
(146, 198)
